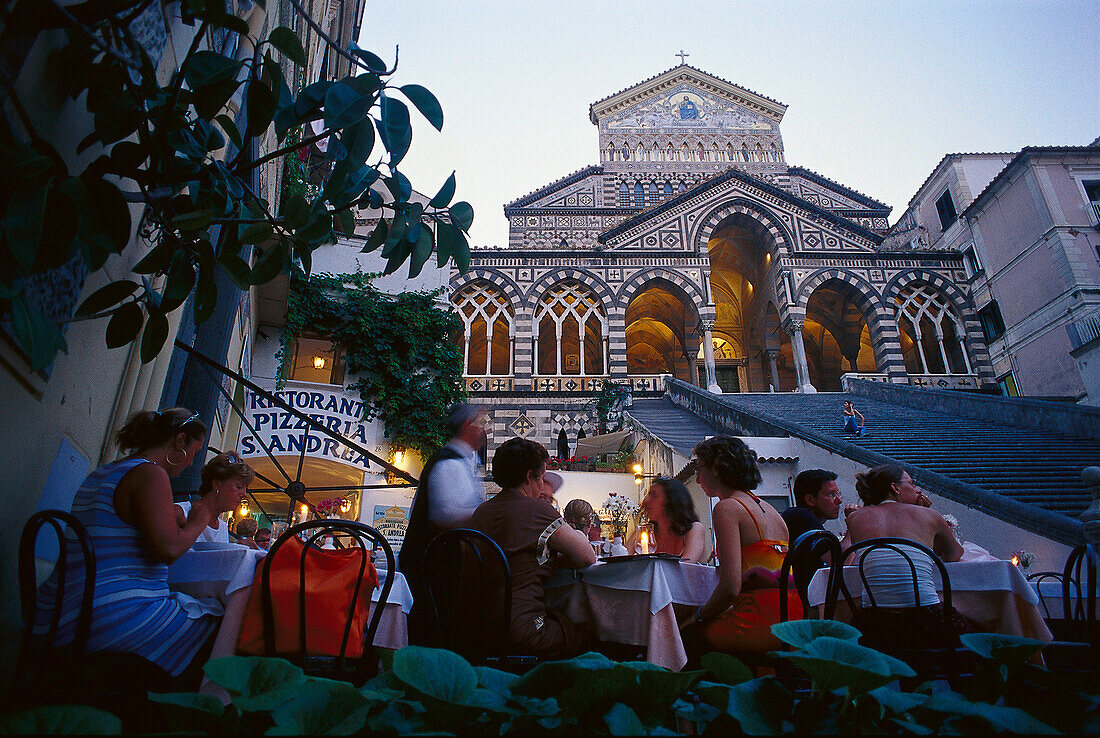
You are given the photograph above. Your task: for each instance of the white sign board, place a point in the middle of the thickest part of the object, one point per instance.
(285, 434)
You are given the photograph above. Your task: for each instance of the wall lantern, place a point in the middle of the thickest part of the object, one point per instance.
(318, 362)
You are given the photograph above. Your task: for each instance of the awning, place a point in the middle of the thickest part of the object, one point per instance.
(608, 443)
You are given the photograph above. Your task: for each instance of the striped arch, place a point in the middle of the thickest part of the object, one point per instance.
(639, 282)
(975, 338)
(870, 301)
(588, 279)
(493, 277)
(780, 239)
(881, 328)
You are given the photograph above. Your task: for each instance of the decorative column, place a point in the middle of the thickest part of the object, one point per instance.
(708, 356)
(773, 354)
(793, 326)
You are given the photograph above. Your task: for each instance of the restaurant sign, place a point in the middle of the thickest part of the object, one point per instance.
(285, 434)
(392, 522)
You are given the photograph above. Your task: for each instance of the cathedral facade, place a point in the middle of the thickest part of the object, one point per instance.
(693, 249)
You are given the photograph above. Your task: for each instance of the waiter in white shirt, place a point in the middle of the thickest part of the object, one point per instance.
(450, 490)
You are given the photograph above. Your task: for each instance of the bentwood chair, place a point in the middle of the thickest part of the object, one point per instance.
(805, 557)
(325, 593)
(469, 588)
(1076, 645)
(54, 667)
(930, 646)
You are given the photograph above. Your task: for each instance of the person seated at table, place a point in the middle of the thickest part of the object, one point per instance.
(263, 539)
(892, 509)
(676, 528)
(245, 532)
(126, 507)
(533, 536)
(751, 543)
(580, 516)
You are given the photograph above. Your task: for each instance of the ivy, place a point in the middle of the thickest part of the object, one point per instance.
(399, 349)
(609, 405)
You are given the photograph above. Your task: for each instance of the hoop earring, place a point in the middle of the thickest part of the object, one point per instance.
(168, 457)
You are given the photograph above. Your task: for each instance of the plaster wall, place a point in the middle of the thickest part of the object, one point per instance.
(1010, 224)
(1044, 365)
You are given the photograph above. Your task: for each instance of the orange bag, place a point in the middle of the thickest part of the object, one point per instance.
(330, 584)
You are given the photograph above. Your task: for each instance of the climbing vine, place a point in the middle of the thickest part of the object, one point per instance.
(398, 348)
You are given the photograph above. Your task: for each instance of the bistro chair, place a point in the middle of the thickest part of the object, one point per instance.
(309, 581)
(934, 650)
(51, 672)
(1076, 645)
(804, 558)
(469, 588)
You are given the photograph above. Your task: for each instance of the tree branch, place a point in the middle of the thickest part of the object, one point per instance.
(336, 47)
(97, 42)
(287, 149)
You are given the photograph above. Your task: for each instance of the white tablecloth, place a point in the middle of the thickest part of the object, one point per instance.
(632, 602)
(993, 593)
(217, 570)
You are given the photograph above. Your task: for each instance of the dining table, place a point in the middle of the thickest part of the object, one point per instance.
(212, 572)
(633, 601)
(993, 593)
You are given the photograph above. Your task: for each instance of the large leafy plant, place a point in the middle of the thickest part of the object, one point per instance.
(851, 689)
(172, 150)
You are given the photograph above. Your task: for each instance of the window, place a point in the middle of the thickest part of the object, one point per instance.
(971, 263)
(1092, 191)
(487, 317)
(993, 325)
(931, 332)
(1007, 385)
(571, 332)
(317, 360)
(639, 194)
(945, 206)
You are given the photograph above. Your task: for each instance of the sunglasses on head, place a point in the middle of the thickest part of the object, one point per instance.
(178, 425)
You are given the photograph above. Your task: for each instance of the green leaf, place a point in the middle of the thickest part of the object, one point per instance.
(207, 67)
(238, 271)
(231, 130)
(158, 259)
(232, 23)
(210, 99)
(377, 237)
(106, 296)
(317, 230)
(371, 60)
(256, 683)
(311, 98)
(344, 106)
(897, 701)
(181, 278)
(295, 212)
(206, 294)
(495, 680)
(798, 633)
(286, 41)
(621, 720)
(358, 139)
(23, 162)
(321, 707)
(426, 103)
(256, 233)
(462, 215)
(275, 259)
(421, 251)
(835, 663)
(124, 325)
(346, 221)
(193, 700)
(452, 244)
(760, 706)
(194, 220)
(23, 223)
(39, 337)
(107, 219)
(395, 129)
(260, 106)
(156, 333)
(60, 720)
(726, 668)
(1012, 651)
(998, 717)
(446, 192)
(435, 672)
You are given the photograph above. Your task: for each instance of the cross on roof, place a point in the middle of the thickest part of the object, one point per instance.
(682, 55)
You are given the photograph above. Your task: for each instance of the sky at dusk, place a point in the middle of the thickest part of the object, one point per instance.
(877, 92)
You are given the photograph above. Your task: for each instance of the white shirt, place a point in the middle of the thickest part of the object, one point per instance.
(209, 535)
(455, 487)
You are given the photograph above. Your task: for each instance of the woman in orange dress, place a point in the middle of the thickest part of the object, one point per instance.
(751, 540)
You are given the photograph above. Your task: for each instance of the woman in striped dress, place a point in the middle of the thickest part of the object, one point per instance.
(127, 509)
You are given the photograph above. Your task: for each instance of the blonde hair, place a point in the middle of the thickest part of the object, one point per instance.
(224, 467)
(578, 513)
